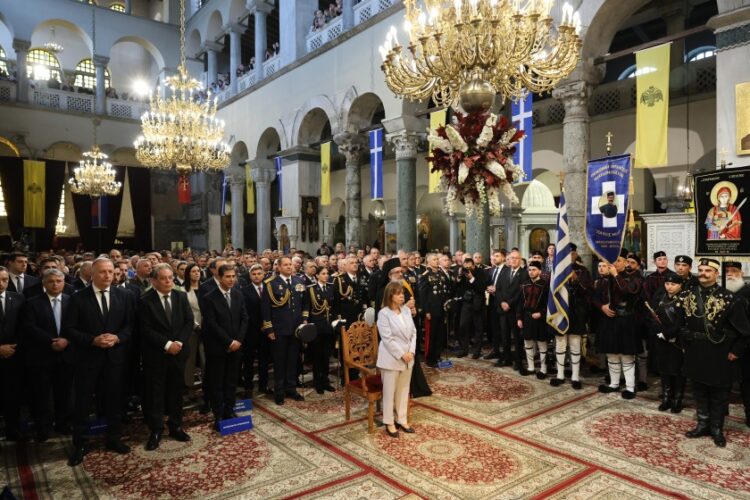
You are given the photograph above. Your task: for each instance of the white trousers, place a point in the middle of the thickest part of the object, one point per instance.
(396, 394)
(625, 364)
(561, 346)
(542, 348)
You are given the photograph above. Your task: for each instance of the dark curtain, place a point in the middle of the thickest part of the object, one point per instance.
(140, 198)
(113, 214)
(11, 177)
(82, 209)
(97, 239)
(53, 180)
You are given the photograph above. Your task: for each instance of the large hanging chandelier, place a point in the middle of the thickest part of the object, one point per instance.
(52, 45)
(181, 131)
(476, 49)
(94, 176)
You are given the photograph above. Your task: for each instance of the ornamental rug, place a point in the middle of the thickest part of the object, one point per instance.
(447, 458)
(634, 439)
(493, 396)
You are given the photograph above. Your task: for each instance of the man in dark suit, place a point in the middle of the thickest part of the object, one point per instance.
(284, 308)
(510, 280)
(84, 276)
(49, 356)
(18, 263)
(470, 290)
(99, 323)
(37, 288)
(224, 328)
(142, 278)
(165, 325)
(11, 365)
(493, 306)
(256, 344)
(212, 283)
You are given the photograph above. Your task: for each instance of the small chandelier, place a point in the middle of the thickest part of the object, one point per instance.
(181, 131)
(476, 49)
(52, 45)
(95, 176)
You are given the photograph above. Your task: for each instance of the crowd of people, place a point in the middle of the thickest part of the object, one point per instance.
(126, 334)
(324, 16)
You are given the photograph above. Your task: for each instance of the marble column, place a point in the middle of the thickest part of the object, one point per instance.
(235, 55)
(263, 173)
(575, 97)
(100, 63)
(128, 6)
(260, 11)
(478, 233)
(352, 146)
(22, 81)
(212, 70)
(347, 7)
(453, 235)
(236, 179)
(405, 145)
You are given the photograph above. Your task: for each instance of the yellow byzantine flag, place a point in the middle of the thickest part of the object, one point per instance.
(325, 173)
(437, 119)
(250, 190)
(33, 193)
(652, 107)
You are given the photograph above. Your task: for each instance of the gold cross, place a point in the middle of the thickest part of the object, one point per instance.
(609, 142)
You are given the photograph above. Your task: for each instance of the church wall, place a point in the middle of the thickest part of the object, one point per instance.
(129, 62)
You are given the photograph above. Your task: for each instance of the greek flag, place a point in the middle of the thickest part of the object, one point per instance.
(224, 188)
(277, 161)
(521, 116)
(557, 302)
(376, 164)
(99, 212)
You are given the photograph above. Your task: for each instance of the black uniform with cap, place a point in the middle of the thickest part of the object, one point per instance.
(690, 279)
(655, 280)
(744, 293)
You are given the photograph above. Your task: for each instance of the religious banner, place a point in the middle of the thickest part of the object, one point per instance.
(99, 212)
(184, 192)
(720, 198)
(250, 189)
(33, 193)
(325, 173)
(309, 219)
(607, 203)
(521, 116)
(376, 164)
(742, 112)
(277, 162)
(224, 193)
(652, 106)
(437, 120)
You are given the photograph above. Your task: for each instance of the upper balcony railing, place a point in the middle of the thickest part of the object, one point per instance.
(365, 9)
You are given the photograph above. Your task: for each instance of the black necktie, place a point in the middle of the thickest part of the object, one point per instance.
(168, 309)
(105, 308)
(289, 282)
(2, 307)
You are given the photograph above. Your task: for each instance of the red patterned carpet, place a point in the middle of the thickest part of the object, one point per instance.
(485, 433)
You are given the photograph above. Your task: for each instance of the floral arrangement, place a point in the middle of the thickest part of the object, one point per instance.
(474, 155)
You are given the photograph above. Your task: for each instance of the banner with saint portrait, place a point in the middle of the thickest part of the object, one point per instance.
(720, 198)
(607, 203)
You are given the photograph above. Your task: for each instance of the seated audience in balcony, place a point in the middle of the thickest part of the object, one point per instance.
(52, 83)
(251, 64)
(319, 20)
(240, 70)
(111, 93)
(69, 84)
(276, 47)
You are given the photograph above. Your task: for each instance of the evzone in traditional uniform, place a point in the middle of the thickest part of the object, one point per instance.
(618, 297)
(668, 351)
(321, 299)
(633, 270)
(714, 331)
(531, 315)
(434, 291)
(579, 288)
(682, 266)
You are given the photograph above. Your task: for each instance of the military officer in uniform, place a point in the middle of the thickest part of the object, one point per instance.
(714, 331)
(434, 291)
(321, 298)
(350, 299)
(284, 308)
(682, 266)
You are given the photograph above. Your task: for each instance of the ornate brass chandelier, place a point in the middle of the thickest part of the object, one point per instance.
(94, 176)
(475, 49)
(182, 130)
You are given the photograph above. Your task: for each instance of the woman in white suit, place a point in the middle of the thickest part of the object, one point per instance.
(398, 343)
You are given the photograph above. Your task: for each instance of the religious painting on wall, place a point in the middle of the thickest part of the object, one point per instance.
(310, 217)
(720, 199)
(634, 238)
(538, 240)
(742, 112)
(423, 233)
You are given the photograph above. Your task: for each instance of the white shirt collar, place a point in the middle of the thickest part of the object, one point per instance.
(98, 290)
(52, 297)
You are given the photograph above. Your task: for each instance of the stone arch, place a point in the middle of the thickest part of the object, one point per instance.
(134, 64)
(236, 11)
(239, 155)
(601, 20)
(123, 156)
(363, 111)
(147, 45)
(312, 126)
(268, 144)
(64, 151)
(6, 39)
(78, 44)
(214, 27)
(324, 104)
(193, 43)
(336, 209)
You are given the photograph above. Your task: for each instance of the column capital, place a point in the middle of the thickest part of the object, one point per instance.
(21, 45)
(404, 143)
(100, 60)
(236, 28)
(259, 6)
(262, 171)
(211, 47)
(235, 176)
(575, 97)
(351, 145)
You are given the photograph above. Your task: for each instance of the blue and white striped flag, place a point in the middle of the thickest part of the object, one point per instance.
(277, 161)
(99, 212)
(521, 116)
(376, 164)
(224, 189)
(558, 308)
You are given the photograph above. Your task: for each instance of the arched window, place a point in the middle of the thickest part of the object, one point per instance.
(119, 7)
(3, 213)
(42, 65)
(633, 71)
(86, 75)
(3, 62)
(701, 53)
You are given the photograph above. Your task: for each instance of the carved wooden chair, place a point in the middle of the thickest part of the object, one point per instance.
(360, 349)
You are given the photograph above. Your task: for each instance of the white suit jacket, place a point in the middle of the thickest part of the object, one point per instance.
(395, 340)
